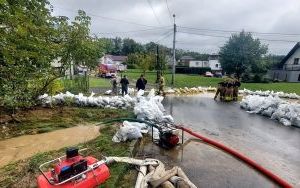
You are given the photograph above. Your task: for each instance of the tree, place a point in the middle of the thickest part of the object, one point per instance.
(31, 39)
(242, 52)
(146, 62)
(27, 48)
(130, 46)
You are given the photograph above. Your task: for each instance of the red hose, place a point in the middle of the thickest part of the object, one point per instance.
(240, 156)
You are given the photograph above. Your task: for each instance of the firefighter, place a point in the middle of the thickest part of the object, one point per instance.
(236, 86)
(161, 85)
(220, 91)
(229, 90)
(114, 84)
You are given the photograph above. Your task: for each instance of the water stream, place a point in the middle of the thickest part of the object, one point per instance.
(22, 147)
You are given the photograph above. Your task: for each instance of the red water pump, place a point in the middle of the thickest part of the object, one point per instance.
(73, 170)
(168, 139)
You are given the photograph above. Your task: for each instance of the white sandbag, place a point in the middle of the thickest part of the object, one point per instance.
(108, 92)
(127, 132)
(272, 106)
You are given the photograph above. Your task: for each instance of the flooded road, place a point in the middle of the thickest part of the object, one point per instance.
(271, 144)
(22, 147)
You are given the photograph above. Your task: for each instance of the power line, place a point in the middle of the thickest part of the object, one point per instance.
(134, 31)
(273, 40)
(235, 31)
(153, 12)
(108, 18)
(170, 15)
(164, 36)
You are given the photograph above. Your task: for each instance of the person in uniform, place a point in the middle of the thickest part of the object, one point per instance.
(114, 84)
(220, 90)
(161, 85)
(236, 86)
(229, 90)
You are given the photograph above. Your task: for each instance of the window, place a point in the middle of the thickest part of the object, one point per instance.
(217, 65)
(299, 77)
(296, 61)
(197, 63)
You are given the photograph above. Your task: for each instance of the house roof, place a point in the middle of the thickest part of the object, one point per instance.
(293, 50)
(117, 57)
(186, 57)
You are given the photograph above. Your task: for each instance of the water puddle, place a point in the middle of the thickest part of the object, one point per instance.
(23, 147)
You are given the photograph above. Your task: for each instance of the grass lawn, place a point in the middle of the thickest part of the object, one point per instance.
(185, 80)
(42, 120)
(99, 82)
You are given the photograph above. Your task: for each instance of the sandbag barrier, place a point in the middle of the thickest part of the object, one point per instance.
(286, 113)
(266, 93)
(190, 91)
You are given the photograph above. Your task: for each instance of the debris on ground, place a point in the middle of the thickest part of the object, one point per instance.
(285, 112)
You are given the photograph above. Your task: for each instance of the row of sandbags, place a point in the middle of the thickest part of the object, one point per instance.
(189, 91)
(87, 101)
(270, 93)
(285, 112)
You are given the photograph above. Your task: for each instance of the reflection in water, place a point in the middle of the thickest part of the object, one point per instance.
(274, 146)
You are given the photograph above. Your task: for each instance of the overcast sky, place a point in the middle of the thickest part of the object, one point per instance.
(263, 16)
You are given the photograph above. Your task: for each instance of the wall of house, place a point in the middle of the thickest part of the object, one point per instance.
(215, 65)
(290, 60)
(195, 63)
(283, 75)
(293, 76)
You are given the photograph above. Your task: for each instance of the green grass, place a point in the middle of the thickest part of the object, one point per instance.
(99, 82)
(23, 173)
(41, 120)
(185, 80)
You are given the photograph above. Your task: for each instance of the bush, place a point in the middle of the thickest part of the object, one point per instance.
(55, 87)
(78, 85)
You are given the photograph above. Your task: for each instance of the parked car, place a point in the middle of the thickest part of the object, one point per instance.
(208, 74)
(218, 75)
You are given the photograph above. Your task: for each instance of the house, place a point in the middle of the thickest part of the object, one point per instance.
(116, 60)
(289, 68)
(212, 62)
(185, 60)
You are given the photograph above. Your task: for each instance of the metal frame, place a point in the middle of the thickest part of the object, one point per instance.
(59, 159)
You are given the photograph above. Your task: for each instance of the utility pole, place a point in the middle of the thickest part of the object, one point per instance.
(174, 59)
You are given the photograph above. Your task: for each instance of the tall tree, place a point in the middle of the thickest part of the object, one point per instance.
(130, 46)
(242, 52)
(27, 48)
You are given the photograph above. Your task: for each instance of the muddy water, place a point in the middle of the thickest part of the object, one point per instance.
(271, 144)
(25, 146)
